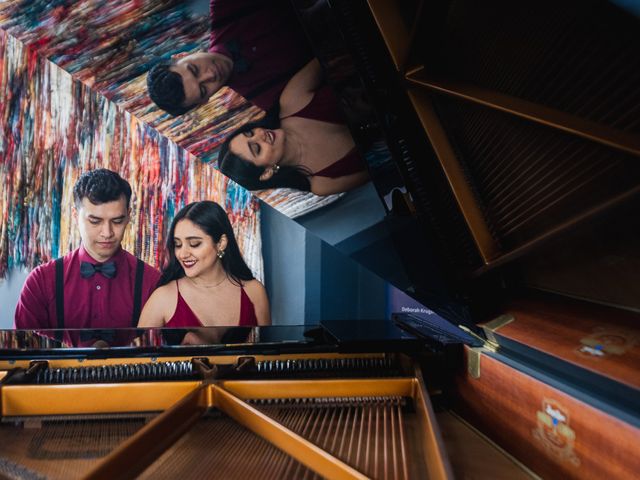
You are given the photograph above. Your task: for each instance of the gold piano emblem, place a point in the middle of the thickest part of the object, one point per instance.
(554, 433)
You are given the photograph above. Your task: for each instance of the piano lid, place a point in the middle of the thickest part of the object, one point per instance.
(509, 127)
(503, 128)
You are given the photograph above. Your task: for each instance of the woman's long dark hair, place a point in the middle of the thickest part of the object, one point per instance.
(213, 220)
(247, 174)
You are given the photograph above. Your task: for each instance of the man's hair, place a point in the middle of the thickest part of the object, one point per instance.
(165, 89)
(101, 186)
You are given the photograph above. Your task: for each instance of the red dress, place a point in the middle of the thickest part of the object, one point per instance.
(184, 317)
(324, 107)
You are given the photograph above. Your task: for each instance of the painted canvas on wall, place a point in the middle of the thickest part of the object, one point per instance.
(55, 128)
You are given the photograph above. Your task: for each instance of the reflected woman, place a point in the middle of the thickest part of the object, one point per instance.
(305, 145)
(205, 282)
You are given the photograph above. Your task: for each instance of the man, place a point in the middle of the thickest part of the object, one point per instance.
(98, 285)
(255, 48)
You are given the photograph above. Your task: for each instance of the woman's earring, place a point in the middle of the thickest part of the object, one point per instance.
(220, 254)
(275, 169)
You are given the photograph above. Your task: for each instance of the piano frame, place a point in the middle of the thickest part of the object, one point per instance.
(183, 403)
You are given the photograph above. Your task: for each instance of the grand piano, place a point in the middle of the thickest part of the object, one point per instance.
(511, 191)
(341, 400)
(514, 133)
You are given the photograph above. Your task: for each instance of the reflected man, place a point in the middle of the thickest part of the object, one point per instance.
(255, 48)
(98, 285)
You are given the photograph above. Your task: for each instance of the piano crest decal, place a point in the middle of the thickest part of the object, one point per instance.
(606, 341)
(554, 433)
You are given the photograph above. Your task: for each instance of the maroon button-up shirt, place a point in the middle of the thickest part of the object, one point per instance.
(268, 46)
(95, 302)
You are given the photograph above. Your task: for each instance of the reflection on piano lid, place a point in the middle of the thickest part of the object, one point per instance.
(329, 336)
(511, 129)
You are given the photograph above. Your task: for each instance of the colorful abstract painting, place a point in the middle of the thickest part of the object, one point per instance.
(73, 98)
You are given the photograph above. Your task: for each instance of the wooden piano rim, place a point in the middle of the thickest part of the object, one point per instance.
(185, 402)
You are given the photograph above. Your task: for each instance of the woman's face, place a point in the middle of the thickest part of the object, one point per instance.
(260, 146)
(194, 248)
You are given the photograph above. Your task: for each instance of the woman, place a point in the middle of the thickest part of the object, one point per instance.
(205, 282)
(305, 145)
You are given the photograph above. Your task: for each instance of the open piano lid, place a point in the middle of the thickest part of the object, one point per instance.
(507, 129)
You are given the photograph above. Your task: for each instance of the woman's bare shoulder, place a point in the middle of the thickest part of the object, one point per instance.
(165, 295)
(253, 287)
(167, 288)
(159, 307)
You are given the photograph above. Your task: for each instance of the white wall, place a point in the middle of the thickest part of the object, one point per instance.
(9, 293)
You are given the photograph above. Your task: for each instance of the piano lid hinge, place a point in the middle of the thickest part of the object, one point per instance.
(475, 353)
(491, 327)
(473, 362)
(487, 344)
(474, 359)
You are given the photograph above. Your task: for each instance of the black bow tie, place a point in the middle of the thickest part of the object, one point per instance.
(88, 270)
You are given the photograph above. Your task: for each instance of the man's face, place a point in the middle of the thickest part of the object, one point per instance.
(102, 226)
(202, 75)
